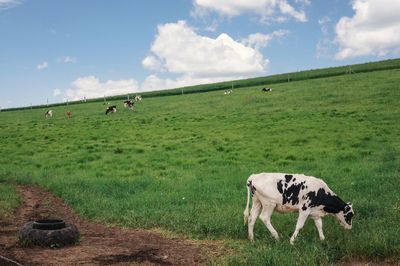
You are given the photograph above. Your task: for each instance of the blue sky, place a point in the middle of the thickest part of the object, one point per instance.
(67, 50)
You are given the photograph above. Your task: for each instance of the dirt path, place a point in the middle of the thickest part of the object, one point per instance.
(99, 244)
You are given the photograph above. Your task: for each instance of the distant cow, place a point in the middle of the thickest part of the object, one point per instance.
(111, 109)
(228, 92)
(307, 195)
(129, 104)
(69, 114)
(138, 98)
(266, 89)
(49, 114)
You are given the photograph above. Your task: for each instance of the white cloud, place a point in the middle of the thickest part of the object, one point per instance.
(153, 82)
(151, 62)
(42, 66)
(5, 104)
(373, 30)
(326, 46)
(260, 40)
(266, 9)
(56, 92)
(179, 49)
(5, 4)
(287, 9)
(91, 87)
(66, 59)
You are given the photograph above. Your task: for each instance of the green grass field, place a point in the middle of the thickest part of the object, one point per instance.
(181, 163)
(9, 200)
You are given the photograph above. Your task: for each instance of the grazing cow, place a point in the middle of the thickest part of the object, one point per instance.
(129, 104)
(111, 109)
(228, 92)
(69, 114)
(266, 89)
(49, 114)
(307, 195)
(138, 98)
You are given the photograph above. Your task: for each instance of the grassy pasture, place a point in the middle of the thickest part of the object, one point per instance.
(388, 64)
(181, 163)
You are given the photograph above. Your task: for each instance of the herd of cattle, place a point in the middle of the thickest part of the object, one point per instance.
(110, 109)
(307, 195)
(130, 104)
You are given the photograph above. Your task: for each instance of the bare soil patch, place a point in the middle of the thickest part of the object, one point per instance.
(99, 244)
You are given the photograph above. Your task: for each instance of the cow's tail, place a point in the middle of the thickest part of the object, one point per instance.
(246, 212)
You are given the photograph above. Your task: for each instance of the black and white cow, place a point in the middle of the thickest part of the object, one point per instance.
(111, 109)
(266, 89)
(129, 104)
(308, 195)
(138, 98)
(49, 114)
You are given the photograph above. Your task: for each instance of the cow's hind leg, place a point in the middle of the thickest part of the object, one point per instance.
(300, 223)
(266, 218)
(318, 224)
(255, 211)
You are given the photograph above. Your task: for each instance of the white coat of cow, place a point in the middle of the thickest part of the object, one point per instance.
(308, 195)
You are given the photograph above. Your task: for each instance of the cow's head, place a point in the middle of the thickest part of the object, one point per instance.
(345, 216)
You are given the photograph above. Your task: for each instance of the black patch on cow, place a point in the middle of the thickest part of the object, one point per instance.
(304, 207)
(290, 190)
(291, 194)
(331, 203)
(348, 217)
(288, 178)
(302, 187)
(280, 186)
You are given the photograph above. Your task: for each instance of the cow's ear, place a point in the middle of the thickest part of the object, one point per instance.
(350, 204)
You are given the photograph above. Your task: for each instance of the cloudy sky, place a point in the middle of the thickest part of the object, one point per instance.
(70, 49)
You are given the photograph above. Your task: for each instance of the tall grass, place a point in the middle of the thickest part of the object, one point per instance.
(181, 162)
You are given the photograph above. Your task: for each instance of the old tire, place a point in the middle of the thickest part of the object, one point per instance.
(29, 236)
(49, 224)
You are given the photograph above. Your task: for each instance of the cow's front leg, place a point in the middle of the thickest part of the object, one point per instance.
(318, 224)
(300, 223)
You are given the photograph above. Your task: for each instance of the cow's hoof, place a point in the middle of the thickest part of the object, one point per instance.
(291, 241)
